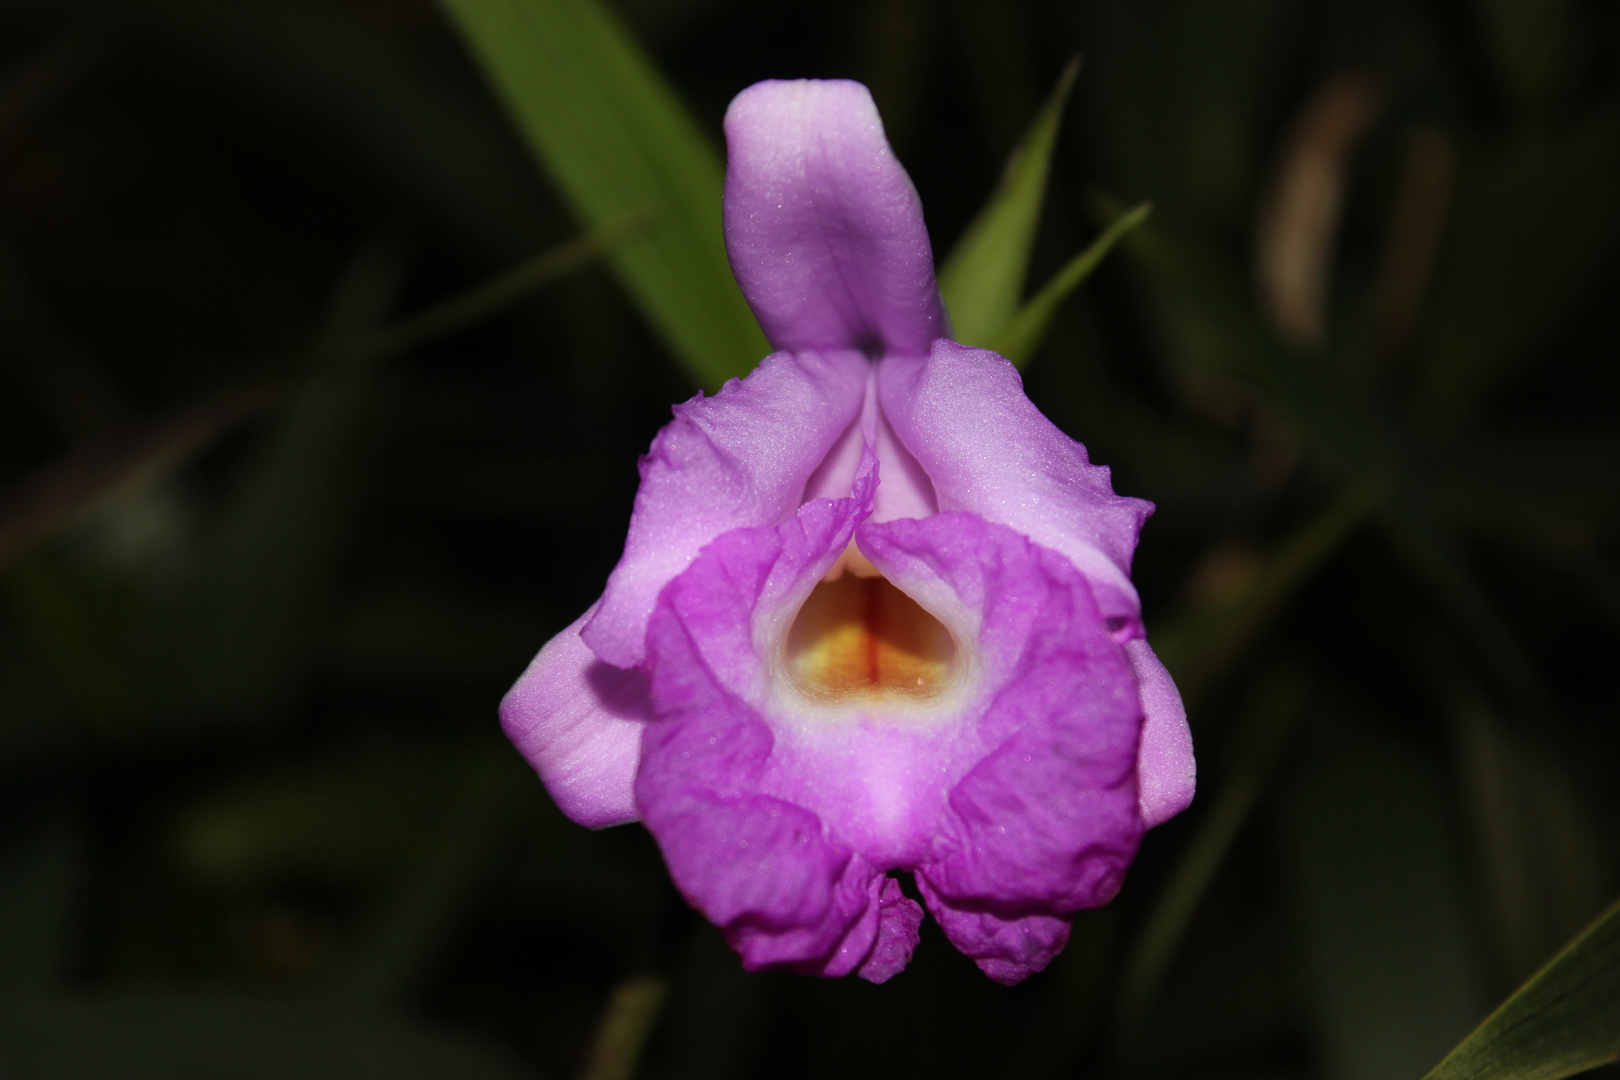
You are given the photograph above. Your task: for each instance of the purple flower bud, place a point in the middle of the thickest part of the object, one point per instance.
(874, 611)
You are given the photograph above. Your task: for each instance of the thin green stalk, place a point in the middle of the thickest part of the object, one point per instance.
(489, 297)
(622, 1034)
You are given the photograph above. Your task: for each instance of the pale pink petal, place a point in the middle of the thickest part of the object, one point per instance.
(963, 415)
(823, 226)
(1166, 772)
(578, 721)
(741, 458)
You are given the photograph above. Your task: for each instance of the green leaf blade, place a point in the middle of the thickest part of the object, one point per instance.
(1565, 1020)
(983, 279)
(616, 140)
(1023, 335)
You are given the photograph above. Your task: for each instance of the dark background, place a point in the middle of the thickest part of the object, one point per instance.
(256, 611)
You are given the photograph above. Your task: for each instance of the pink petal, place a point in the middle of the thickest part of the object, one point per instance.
(823, 226)
(899, 929)
(963, 415)
(1166, 773)
(1046, 818)
(1007, 947)
(578, 722)
(740, 458)
(1017, 795)
(763, 869)
(904, 490)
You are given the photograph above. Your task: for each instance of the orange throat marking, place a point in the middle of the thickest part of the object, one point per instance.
(860, 638)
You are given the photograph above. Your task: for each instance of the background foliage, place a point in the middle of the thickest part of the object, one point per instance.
(325, 359)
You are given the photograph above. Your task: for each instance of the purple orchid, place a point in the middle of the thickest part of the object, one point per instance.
(874, 611)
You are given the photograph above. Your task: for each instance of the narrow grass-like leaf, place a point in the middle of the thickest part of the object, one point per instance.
(1024, 334)
(615, 139)
(631, 1013)
(488, 297)
(983, 280)
(1565, 1020)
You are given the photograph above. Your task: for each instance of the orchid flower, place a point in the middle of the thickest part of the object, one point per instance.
(874, 612)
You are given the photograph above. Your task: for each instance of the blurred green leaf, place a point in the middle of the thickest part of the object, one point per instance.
(42, 878)
(1565, 1020)
(628, 1021)
(326, 69)
(1533, 224)
(340, 822)
(1388, 958)
(1203, 643)
(450, 859)
(1529, 42)
(80, 628)
(1535, 221)
(1019, 339)
(1540, 856)
(1266, 725)
(613, 136)
(198, 1037)
(1213, 324)
(235, 642)
(57, 495)
(1344, 429)
(983, 280)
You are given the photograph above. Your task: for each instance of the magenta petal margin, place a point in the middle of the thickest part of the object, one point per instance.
(1011, 795)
